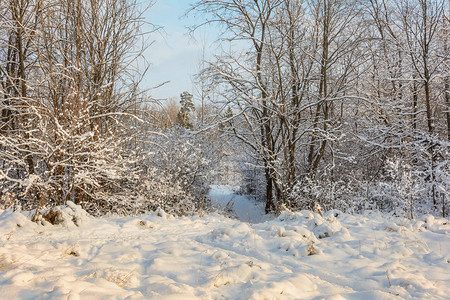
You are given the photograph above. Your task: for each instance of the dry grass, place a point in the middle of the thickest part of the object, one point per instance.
(54, 216)
(6, 264)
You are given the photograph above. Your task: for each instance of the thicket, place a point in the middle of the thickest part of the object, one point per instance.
(341, 103)
(75, 124)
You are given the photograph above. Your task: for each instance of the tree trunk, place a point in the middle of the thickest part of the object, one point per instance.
(18, 17)
(269, 190)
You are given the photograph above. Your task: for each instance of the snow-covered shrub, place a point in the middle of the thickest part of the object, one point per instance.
(406, 190)
(176, 176)
(82, 168)
(6, 200)
(67, 215)
(307, 193)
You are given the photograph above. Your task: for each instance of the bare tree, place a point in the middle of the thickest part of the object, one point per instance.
(72, 68)
(279, 85)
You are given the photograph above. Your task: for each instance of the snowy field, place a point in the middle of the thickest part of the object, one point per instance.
(294, 256)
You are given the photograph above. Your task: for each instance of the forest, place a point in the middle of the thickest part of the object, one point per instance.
(338, 104)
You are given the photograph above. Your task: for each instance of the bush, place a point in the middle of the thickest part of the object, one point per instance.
(176, 176)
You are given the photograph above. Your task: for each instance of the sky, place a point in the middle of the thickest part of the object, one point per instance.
(174, 55)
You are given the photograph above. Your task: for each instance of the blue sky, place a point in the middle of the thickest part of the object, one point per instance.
(174, 56)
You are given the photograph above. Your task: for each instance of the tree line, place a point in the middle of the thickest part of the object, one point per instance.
(342, 103)
(338, 99)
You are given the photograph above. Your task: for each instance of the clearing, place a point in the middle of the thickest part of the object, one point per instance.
(253, 256)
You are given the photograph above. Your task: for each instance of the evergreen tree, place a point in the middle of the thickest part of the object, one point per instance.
(186, 107)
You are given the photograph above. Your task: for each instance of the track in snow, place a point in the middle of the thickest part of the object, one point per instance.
(224, 197)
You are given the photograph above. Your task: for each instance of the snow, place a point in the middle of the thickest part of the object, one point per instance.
(299, 255)
(224, 197)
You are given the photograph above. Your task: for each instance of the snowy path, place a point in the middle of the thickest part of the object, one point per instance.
(224, 197)
(295, 256)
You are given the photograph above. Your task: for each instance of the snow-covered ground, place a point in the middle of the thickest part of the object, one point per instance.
(294, 256)
(224, 198)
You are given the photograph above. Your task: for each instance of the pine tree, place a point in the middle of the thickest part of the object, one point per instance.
(187, 106)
